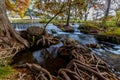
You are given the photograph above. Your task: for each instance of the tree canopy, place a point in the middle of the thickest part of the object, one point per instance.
(79, 8)
(19, 6)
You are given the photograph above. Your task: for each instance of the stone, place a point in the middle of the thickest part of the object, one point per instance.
(23, 34)
(35, 30)
(65, 28)
(92, 45)
(68, 28)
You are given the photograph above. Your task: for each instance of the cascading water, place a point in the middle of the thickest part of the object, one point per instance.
(109, 52)
(24, 26)
(77, 35)
(52, 49)
(52, 29)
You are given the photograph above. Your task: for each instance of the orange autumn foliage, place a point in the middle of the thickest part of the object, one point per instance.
(19, 6)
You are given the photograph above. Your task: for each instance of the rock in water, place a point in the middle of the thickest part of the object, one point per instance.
(35, 30)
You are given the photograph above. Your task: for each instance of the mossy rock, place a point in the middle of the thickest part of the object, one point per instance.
(35, 30)
(65, 28)
(108, 38)
(68, 28)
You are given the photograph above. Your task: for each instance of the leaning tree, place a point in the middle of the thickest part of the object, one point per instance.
(61, 8)
(7, 34)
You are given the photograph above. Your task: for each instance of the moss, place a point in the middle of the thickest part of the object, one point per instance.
(114, 31)
(89, 27)
(5, 71)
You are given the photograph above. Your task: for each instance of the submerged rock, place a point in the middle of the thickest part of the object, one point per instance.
(68, 28)
(92, 45)
(65, 28)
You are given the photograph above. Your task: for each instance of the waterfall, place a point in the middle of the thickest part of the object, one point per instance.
(24, 26)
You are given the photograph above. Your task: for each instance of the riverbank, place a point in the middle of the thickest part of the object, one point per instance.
(70, 51)
(109, 33)
(27, 20)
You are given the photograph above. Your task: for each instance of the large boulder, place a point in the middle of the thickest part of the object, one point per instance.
(34, 33)
(35, 30)
(68, 28)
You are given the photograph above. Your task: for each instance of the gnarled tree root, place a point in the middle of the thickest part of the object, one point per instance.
(38, 72)
(84, 65)
(77, 70)
(48, 40)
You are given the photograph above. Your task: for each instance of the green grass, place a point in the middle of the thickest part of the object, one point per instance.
(110, 28)
(19, 20)
(89, 25)
(5, 71)
(111, 24)
(115, 31)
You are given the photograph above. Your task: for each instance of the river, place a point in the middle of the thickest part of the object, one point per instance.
(109, 52)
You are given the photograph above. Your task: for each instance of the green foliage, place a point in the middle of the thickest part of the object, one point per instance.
(18, 6)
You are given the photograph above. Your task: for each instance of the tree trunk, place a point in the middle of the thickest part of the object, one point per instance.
(60, 11)
(68, 15)
(6, 29)
(106, 12)
(86, 15)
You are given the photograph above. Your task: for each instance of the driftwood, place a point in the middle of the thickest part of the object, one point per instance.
(84, 65)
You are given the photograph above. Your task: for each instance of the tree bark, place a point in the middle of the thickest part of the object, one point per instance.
(68, 15)
(106, 12)
(6, 29)
(86, 15)
(60, 11)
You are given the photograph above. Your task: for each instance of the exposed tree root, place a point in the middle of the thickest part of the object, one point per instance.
(47, 40)
(7, 52)
(84, 65)
(38, 72)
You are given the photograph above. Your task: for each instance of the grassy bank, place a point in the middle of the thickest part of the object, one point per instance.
(110, 28)
(19, 20)
(112, 31)
(109, 32)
